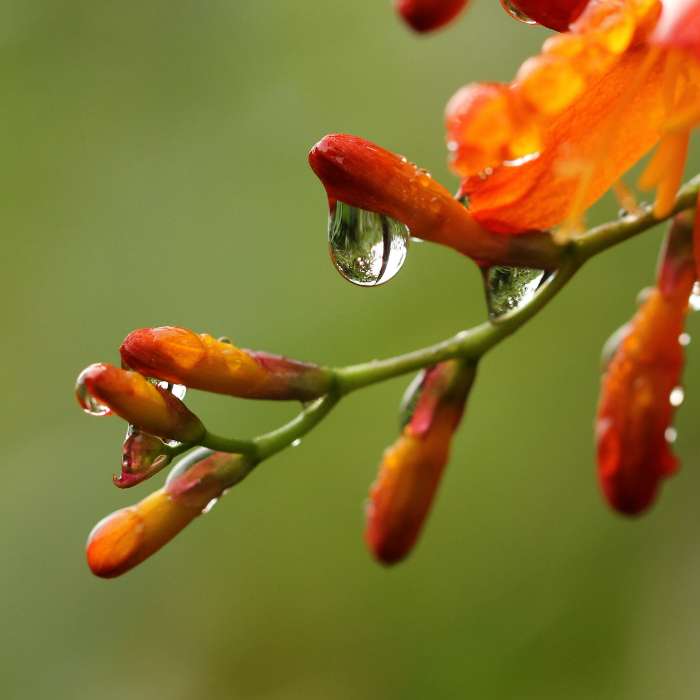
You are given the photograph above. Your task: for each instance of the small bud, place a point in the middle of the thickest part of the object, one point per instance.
(427, 15)
(143, 455)
(641, 387)
(146, 406)
(129, 536)
(180, 356)
(409, 475)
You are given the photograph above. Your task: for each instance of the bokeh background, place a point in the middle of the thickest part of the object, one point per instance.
(154, 172)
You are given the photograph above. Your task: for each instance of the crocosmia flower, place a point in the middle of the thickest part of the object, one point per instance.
(127, 537)
(538, 151)
(427, 15)
(180, 356)
(410, 472)
(641, 387)
(146, 406)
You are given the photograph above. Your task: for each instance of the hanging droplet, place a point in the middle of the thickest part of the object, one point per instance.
(670, 434)
(516, 13)
(296, 442)
(694, 301)
(509, 288)
(677, 396)
(209, 506)
(87, 401)
(366, 247)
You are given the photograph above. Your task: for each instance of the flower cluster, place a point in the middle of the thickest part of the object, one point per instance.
(616, 80)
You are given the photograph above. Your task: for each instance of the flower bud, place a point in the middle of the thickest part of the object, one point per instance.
(427, 15)
(146, 406)
(180, 356)
(365, 176)
(129, 536)
(410, 472)
(143, 455)
(641, 387)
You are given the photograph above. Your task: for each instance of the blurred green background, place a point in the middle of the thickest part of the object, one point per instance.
(154, 172)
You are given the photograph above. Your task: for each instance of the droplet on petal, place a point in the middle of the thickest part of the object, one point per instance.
(367, 248)
(510, 288)
(516, 13)
(88, 402)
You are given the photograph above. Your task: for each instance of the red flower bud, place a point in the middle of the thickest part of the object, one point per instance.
(410, 472)
(199, 361)
(640, 389)
(146, 406)
(427, 15)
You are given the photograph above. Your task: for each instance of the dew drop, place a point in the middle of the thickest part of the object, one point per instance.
(677, 396)
(670, 434)
(209, 506)
(612, 345)
(366, 247)
(410, 398)
(516, 13)
(225, 339)
(694, 301)
(510, 288)
(296, 442)
(87, 401)
(684, 338)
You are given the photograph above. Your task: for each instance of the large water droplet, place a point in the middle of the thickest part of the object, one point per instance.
(366, 247)
(516, 13)
(509, 288)
(87, 401)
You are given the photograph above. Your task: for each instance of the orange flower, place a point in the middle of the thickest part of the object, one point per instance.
(576, 117)
(132, 397)
(199, 361)
(129, 536)
(427, 15)
(640, 389)
(368, 177)
(410, 472)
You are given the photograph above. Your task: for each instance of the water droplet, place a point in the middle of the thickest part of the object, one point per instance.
(612, 344)
(694, 301)
(677, 396)
(88, 402)
(509, 288)
(684, 338)
(296, 442)
(177, 390)
(410, 398)
(515, 12)
(366, 247)
(670, 434)
(225, 339)
(209, 506)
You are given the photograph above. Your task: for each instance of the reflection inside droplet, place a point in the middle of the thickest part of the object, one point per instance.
(87, 401)
(510, 288)
(677, 396)
(366, 247)
(516, 13)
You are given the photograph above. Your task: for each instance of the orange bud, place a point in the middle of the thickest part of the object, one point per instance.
(147, 406)
(129, 536)
(409, 475)
(427, 15)
(641, 387)
(180, 356)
